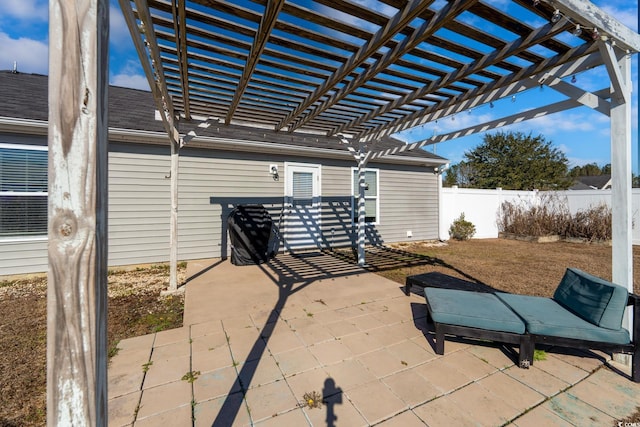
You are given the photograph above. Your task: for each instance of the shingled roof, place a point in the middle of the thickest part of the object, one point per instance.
(594, 182)
(25, 96)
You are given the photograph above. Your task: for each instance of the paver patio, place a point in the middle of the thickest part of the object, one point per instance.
(256, 339)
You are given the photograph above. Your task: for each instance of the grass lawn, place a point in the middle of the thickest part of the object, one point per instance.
(136, 307)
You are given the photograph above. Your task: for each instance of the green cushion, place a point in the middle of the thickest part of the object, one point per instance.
(592, 298)
(544, 316)
(472, 309)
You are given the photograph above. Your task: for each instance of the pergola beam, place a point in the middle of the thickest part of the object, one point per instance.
(471, 130)
(180, 28)
(267, 23)
(595, 101)
(484, 95)
(396, 24)
(589, 15)
(151, 63)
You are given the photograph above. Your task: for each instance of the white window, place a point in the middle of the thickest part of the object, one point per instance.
(23, 190)
(371, 195)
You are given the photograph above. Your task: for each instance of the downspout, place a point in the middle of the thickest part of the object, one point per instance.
(441, 227)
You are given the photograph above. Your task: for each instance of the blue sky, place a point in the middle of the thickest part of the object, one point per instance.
(582, 134)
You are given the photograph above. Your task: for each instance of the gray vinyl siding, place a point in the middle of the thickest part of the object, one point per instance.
(408, 202)
(408, 198)
(211, 182)
(138, 204)
(28, 256)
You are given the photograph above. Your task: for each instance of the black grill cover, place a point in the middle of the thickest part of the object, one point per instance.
(252, 234)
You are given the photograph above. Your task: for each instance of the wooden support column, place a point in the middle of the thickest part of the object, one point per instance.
(173, 223)
(619, 67)
(362, 162)
(77, 231)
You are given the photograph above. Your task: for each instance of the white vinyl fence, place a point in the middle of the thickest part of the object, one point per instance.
(481, 207)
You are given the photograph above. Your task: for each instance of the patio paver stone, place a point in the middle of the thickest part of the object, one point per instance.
(356, 339)
(375, 401)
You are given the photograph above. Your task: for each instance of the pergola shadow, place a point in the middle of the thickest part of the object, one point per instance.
(291, 273)
(381, 258)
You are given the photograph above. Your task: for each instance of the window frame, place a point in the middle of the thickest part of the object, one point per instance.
(354, 207)
(45, 194)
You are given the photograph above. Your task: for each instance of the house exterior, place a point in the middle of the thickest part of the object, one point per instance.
(593, 182)
(307, 183)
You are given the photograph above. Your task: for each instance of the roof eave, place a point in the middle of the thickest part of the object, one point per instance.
(40, 127)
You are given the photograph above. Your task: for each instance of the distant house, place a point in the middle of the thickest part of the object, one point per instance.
(595, 182)
(307, 183)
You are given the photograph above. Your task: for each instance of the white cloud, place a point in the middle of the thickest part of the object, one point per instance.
(32, 56)
(26, 9)
(133, 81)
(129, 74)
(563, 122)
(119, 35)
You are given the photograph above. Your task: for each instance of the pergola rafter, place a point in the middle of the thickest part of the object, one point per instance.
(267, 23)
(180, 28)
(426, 30)
(523, 76)
(399, 21)
(488, 60)
(578, 97)
(297, 66)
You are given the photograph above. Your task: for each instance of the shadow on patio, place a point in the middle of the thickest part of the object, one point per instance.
(381, 258)
(260, 340)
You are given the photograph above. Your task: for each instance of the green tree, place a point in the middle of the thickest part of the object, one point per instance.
(459, 174)
(590, 169)
(514, 161)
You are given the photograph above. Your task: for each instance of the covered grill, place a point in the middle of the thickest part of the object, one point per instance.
(252, 234)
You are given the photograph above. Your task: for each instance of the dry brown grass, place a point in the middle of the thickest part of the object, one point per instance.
(135, 308)
(514, 266)
(551, 216)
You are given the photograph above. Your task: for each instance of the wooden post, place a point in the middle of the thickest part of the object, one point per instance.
(173, 223)
(619, 67)
(361, 208)
(77, 231)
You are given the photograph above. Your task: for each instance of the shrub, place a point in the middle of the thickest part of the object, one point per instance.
(591, 224)
(461, 229)
(551, 216)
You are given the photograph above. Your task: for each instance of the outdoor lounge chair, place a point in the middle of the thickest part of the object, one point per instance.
(585, 312)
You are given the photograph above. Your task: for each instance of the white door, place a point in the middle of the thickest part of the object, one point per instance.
(302, 207)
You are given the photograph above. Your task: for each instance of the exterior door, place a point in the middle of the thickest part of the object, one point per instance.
(302, 207)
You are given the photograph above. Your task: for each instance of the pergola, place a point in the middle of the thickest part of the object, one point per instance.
(354, 71)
